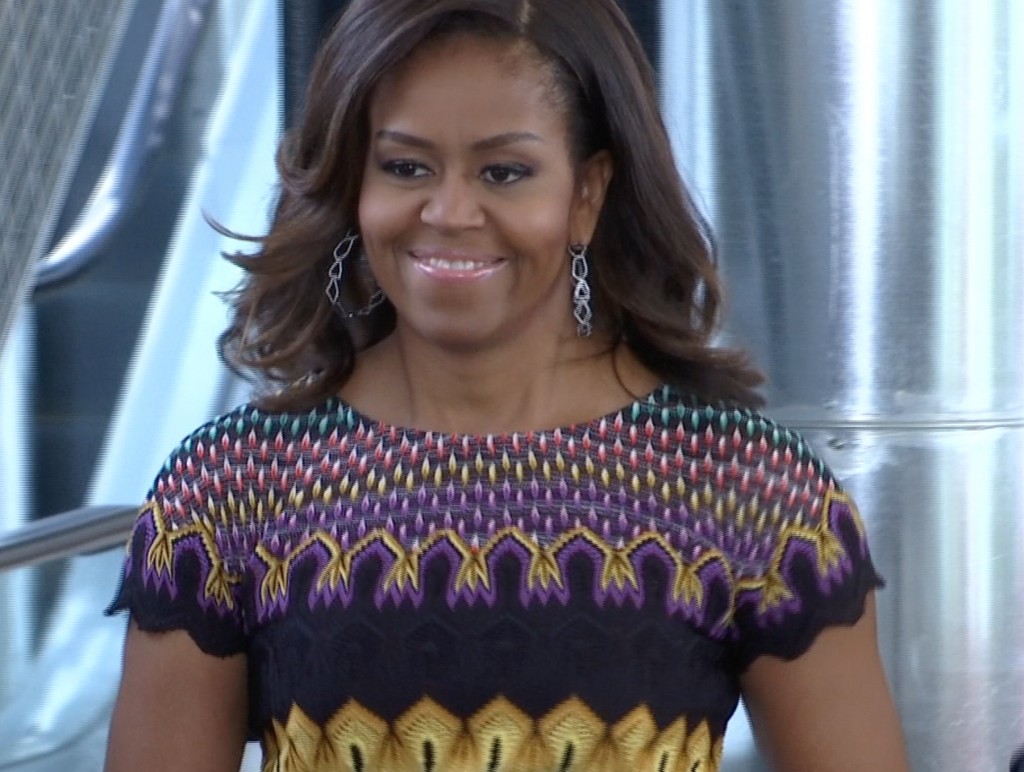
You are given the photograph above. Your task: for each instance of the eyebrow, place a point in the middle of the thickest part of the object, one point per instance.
(499, 140)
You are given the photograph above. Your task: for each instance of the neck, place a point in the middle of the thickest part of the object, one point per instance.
(519, 385)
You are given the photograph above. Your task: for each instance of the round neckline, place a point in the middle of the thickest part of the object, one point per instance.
(660, 396)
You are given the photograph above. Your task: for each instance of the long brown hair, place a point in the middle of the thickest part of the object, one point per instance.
(652, 270)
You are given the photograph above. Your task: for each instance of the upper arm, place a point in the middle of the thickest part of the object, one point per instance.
(828, 710)
(178, 708)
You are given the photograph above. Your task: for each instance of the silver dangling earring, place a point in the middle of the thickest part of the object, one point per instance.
(581, 290)
(341, 253)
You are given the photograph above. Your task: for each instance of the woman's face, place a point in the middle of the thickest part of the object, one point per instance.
(471, 196)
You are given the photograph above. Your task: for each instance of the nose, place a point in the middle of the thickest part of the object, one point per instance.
(452, 205)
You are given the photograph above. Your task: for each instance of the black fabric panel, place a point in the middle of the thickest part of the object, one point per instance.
(158, 610)
(387, 659)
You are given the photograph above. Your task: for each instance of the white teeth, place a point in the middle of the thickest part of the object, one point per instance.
(454, 265)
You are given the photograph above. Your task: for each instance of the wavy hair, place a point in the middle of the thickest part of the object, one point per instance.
(653, 274)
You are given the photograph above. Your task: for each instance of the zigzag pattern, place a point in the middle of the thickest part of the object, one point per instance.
(617, 567)
(499, 738)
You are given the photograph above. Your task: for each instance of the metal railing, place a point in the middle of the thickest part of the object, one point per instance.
(177, 31)
(77, 532)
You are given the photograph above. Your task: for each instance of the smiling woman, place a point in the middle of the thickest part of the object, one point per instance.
(583, 67)
(469, 199)
(505, 507)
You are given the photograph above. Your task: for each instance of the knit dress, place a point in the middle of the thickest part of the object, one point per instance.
(577, 599)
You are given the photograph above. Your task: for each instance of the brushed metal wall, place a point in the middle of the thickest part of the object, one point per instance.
(862, 163)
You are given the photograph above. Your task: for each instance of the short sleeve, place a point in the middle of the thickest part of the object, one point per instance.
(817, 569)
(182, 568)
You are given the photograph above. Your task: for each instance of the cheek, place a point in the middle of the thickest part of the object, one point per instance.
(386, 212)
(544, 223)
(376, 231)
(376, 214)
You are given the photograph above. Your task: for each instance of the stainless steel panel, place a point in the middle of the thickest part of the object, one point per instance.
(943, 510)
(942, 507)
(58, 709)
(862, 163)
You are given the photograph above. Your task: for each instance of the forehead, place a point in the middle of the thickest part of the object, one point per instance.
(473, 81)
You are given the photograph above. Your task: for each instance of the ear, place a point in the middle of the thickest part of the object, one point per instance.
(591, 188)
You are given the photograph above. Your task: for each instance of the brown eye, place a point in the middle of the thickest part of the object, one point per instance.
(505, 174)
(405, 169)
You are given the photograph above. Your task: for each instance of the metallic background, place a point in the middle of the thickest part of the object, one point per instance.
(862, 163)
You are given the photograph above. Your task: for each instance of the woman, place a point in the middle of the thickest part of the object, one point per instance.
(508, 509)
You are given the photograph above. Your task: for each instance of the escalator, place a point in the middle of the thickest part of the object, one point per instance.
(114, 361)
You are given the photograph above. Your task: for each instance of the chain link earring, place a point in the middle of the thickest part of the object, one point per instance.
(581, 310)
(337, 272)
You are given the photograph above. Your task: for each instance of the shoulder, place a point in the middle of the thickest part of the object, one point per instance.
(743, 450)
(238, 458)
(739, 472)
(764, 510)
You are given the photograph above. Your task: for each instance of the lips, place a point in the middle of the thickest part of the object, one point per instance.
(455, 263)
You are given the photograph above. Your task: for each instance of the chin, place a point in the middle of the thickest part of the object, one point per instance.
(463, 334)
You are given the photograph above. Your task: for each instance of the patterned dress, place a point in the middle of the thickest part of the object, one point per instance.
(577, 599)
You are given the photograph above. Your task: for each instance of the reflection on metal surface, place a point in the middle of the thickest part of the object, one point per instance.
(15, 638)
(862, 166)
(942, 508)
(57, 716)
